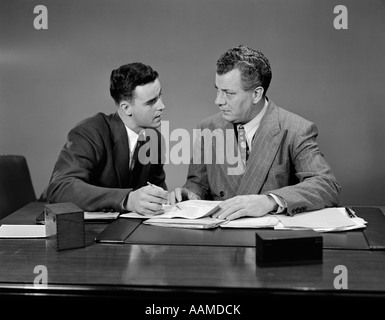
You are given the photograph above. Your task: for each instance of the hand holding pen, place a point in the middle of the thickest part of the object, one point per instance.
(153, 185)
(147, 200)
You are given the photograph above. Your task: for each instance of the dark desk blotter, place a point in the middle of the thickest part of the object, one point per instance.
(118, 230)
(375, 230)
(131, 231)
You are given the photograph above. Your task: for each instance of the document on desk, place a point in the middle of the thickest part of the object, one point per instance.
(97, 217)
(192, 214)
(267, 221)
(199, 217)
(201, 223)
(323, 220)
(100, 216)
(210, 223)
(22, 231)
(189, 209)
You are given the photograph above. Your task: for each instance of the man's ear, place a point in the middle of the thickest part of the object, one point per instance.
(257, 94)
(126, 107)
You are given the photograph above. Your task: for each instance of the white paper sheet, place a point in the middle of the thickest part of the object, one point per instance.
(324, 220)
(22, 231)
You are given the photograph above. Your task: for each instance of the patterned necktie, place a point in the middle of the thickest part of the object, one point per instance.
(242, 143)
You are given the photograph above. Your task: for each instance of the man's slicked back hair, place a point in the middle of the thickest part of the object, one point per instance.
(126, 78)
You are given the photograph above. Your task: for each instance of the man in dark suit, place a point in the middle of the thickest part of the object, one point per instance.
(98, 168)
(281, 168)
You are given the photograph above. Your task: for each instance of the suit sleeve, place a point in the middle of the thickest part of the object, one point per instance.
(317, 187)
(158, 176)
(197, 178)
(71, 181)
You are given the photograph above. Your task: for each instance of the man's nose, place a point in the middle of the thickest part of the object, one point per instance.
(161, 105)
(220, 99)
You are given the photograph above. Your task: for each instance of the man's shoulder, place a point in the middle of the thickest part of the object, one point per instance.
(289, 118)
(211, 122)
(97, 122)
(97, 118)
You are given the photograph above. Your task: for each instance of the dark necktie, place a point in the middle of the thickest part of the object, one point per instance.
(141, 141)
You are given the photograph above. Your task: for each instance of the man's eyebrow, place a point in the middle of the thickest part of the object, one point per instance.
(225, 90)
(153, 100)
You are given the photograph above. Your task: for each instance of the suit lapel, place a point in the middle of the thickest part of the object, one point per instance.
(120, 150)
(264, 148)
(231, 150)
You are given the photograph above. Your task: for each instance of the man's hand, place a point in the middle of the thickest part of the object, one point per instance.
(248, 205)
(181, 194)
(147, 200)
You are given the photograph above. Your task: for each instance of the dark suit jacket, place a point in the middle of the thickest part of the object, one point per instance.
(92, 170)
(285, 160)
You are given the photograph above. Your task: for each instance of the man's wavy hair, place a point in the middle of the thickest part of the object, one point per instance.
(126, 78)
(253, 65)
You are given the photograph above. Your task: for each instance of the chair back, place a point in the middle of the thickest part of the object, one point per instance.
(16, 189)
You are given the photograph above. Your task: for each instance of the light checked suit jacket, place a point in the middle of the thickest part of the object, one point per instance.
(285, 160)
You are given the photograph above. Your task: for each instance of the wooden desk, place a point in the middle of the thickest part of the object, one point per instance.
(147, 273)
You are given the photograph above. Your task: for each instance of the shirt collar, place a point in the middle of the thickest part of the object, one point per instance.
(252, 126)
(133, 137)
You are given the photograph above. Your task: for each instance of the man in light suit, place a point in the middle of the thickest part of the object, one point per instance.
(284, 170)
(98, 168)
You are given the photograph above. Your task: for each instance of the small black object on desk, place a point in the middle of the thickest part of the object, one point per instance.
(64, 225)
(286, 247)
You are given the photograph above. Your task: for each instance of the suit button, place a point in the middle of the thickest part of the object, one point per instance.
(221, 194)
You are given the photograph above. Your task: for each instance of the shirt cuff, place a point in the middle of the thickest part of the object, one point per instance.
(123, 204)
(280, 202)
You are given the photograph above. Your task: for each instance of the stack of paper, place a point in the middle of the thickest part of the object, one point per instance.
(201, 223)
(324, 220)
(195, 214)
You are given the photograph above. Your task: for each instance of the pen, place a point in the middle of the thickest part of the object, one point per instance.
(154, 186)
(350, 212)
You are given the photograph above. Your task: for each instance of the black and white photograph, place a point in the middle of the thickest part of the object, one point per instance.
(192, 159)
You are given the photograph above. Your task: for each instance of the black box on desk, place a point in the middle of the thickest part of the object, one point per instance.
(64, 225)
(286, 247)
